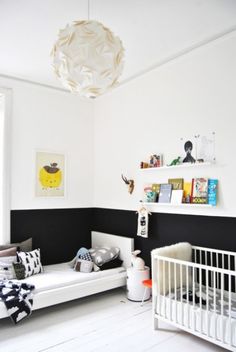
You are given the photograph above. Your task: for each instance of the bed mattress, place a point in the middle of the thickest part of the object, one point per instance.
(60, 275)
(62, 278)
(214, 323)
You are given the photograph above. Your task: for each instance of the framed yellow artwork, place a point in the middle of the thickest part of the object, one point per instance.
(50, 174)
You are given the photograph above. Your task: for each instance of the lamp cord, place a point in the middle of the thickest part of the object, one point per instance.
(88, 10)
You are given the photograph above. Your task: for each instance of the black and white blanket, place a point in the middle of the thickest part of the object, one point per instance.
(213, 297)
(18, 299)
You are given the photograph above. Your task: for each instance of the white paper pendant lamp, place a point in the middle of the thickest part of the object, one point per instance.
(88, 58)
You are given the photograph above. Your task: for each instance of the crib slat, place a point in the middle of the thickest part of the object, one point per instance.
(170, 304)
(211, 262)
(222, 307)
(214, 304)
(228, 262)
(235, 276)
(207, 303)
(217, 265)
(229, 321)
(200, 297)
(158, 288)
(194, 315)
(187, 292)
(175, 293)
(164, 286)
(181, 293)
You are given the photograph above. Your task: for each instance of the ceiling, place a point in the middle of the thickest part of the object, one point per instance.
(151, 31)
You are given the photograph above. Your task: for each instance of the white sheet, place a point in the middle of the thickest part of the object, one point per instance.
(59, 275)
(62, 276)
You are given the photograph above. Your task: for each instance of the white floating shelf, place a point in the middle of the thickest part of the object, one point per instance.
(184, 165)
(190, 205)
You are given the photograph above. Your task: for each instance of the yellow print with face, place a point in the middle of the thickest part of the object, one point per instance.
(50, 176)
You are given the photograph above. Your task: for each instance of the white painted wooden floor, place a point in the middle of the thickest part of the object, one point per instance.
(103, 322)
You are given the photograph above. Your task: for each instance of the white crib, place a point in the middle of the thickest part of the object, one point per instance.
(199, 296)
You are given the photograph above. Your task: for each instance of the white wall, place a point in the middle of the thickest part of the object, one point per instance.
(192, 94)
(47, 119)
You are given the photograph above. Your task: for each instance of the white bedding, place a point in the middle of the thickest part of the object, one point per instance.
(60, 283)
(59, 275)
(212, 322)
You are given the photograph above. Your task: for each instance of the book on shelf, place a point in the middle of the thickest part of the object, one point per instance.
(156, 189)
(177, 183)
(149, 195)
(165, 193)
(212, 191)
(177, 196)
(199, 193)
(187, 192)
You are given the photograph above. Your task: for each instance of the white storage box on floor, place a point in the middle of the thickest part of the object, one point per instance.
(135, 287)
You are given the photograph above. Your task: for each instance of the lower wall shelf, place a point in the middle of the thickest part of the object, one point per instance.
(190, 205)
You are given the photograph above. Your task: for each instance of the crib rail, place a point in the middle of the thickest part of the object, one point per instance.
(197, 296)
(217, 258)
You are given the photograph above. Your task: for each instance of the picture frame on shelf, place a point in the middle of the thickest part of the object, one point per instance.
(188, 149)
(205, 145)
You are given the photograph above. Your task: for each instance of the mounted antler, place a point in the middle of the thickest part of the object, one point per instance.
(129, 183)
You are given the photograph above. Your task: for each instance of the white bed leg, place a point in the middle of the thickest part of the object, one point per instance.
(155, 323)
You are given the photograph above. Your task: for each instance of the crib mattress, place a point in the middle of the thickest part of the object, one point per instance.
(214, 322)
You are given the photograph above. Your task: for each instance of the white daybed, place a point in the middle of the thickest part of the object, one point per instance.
(60, 283)
(208, 310)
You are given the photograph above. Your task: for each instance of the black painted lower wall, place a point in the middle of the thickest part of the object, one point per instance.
(166, 229)
(61, 232)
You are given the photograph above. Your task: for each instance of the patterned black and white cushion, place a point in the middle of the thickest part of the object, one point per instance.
(6, 268)
(31, 262)
(102, 255)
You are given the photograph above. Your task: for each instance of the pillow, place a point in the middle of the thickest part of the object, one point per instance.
(6, 268)
(83, 253)
(112, 264)
(31, 262)
(84, 266)
(10, 252)
(102, 255)
(19, 269)
(181, 251)
(25, 246)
